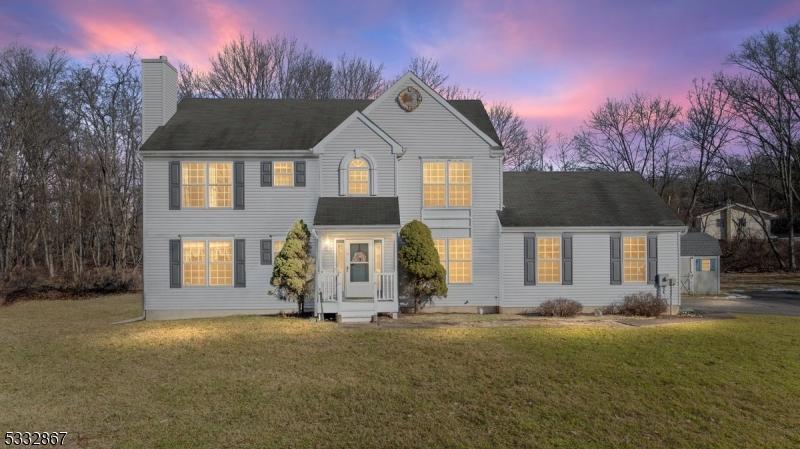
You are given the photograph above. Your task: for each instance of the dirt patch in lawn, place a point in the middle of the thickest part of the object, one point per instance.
(754, 281)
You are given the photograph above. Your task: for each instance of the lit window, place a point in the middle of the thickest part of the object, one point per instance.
(459, 178)
(705, 265)
(220, 184)
(220, 263)
(378, 248)
(358, 177)
(446, 184)
(459, 261)
(277, 246)
(634, 250)
(441, 249)
(283, 173)
(194, 263)
(433, 184)
(193, 178)
(340, 256)
(212, 180)
(548, 263)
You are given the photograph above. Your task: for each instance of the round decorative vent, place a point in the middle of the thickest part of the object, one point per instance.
(409, 98)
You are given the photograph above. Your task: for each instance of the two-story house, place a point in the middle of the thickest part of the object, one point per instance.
(224, 180)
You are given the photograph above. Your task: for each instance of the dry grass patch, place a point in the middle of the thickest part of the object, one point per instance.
(273, 382)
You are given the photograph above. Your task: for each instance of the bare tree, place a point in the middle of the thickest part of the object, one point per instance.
(190, 83)
(634, 134)
(706, 131)
(244, 68)
(428, 70)
(541, 143)
(514, 137)
(356, 78)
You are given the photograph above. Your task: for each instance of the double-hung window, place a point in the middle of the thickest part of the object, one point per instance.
(358, 177)
(548, 254)
(207, 185)
(456, 258)
(283, 173)
(447, 184)
(634, 259)
(277, 246)
(207, 263)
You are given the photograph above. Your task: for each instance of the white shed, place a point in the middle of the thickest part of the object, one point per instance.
(700, 264)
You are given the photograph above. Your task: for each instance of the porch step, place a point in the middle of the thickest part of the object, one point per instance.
(356, 316)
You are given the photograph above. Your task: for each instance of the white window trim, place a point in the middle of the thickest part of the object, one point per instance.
(622, 259)
(206, 204)
(208, 261)
(274, 173)
(344, 174)
(560, 239)
(446, 183)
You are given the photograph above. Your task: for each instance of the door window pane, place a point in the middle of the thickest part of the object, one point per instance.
(340, 256)
(378, 245)
(359, 262)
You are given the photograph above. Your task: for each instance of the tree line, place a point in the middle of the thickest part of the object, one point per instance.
(70, 131)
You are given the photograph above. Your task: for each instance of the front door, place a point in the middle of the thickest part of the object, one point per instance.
(358, 270)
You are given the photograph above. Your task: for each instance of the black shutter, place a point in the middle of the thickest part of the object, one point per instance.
(238, 185)
(174, 185)
(239, 279)
(174, 264)
(652, 258)
(566, 259)
(266, 173)
(299, 173)
(616, 259)
(266, 252)
(530, 259)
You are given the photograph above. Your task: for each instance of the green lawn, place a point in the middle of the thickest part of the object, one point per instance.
(273, 382)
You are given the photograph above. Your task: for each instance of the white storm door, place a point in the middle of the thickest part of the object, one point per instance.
(358, 269)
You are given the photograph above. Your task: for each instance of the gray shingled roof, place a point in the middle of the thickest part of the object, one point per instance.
(582, 199)
(238, 124)
(699, 244)
(357, 211)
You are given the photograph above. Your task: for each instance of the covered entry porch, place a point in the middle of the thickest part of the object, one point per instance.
(356, 276)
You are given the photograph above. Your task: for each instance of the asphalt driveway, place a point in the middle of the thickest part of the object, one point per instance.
(766, 301)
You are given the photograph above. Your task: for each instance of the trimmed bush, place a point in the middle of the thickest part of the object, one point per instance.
(561, 307)
(643, 304)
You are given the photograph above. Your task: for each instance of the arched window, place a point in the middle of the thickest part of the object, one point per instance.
(358, 177)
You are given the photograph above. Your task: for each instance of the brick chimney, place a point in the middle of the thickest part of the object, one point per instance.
(159, 94)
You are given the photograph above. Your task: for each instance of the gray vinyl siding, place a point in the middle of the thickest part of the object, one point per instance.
(269, 213)
(433, 132)
(591, 271)
(357, 136)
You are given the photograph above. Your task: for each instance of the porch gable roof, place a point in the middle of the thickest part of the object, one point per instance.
(357, 211)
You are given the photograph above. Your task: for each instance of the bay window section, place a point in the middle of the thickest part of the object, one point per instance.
(634, 262)
(447, 184)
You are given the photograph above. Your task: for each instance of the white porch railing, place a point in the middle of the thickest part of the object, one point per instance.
(330, 287)
(385, 287)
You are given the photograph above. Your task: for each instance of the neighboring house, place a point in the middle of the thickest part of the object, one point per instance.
(225, 179)
(734, 221)
(700, 263)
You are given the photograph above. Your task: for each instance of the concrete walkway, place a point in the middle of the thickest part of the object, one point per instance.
(765, 302)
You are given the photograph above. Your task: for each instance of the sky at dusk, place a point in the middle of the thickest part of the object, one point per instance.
(553, 61)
